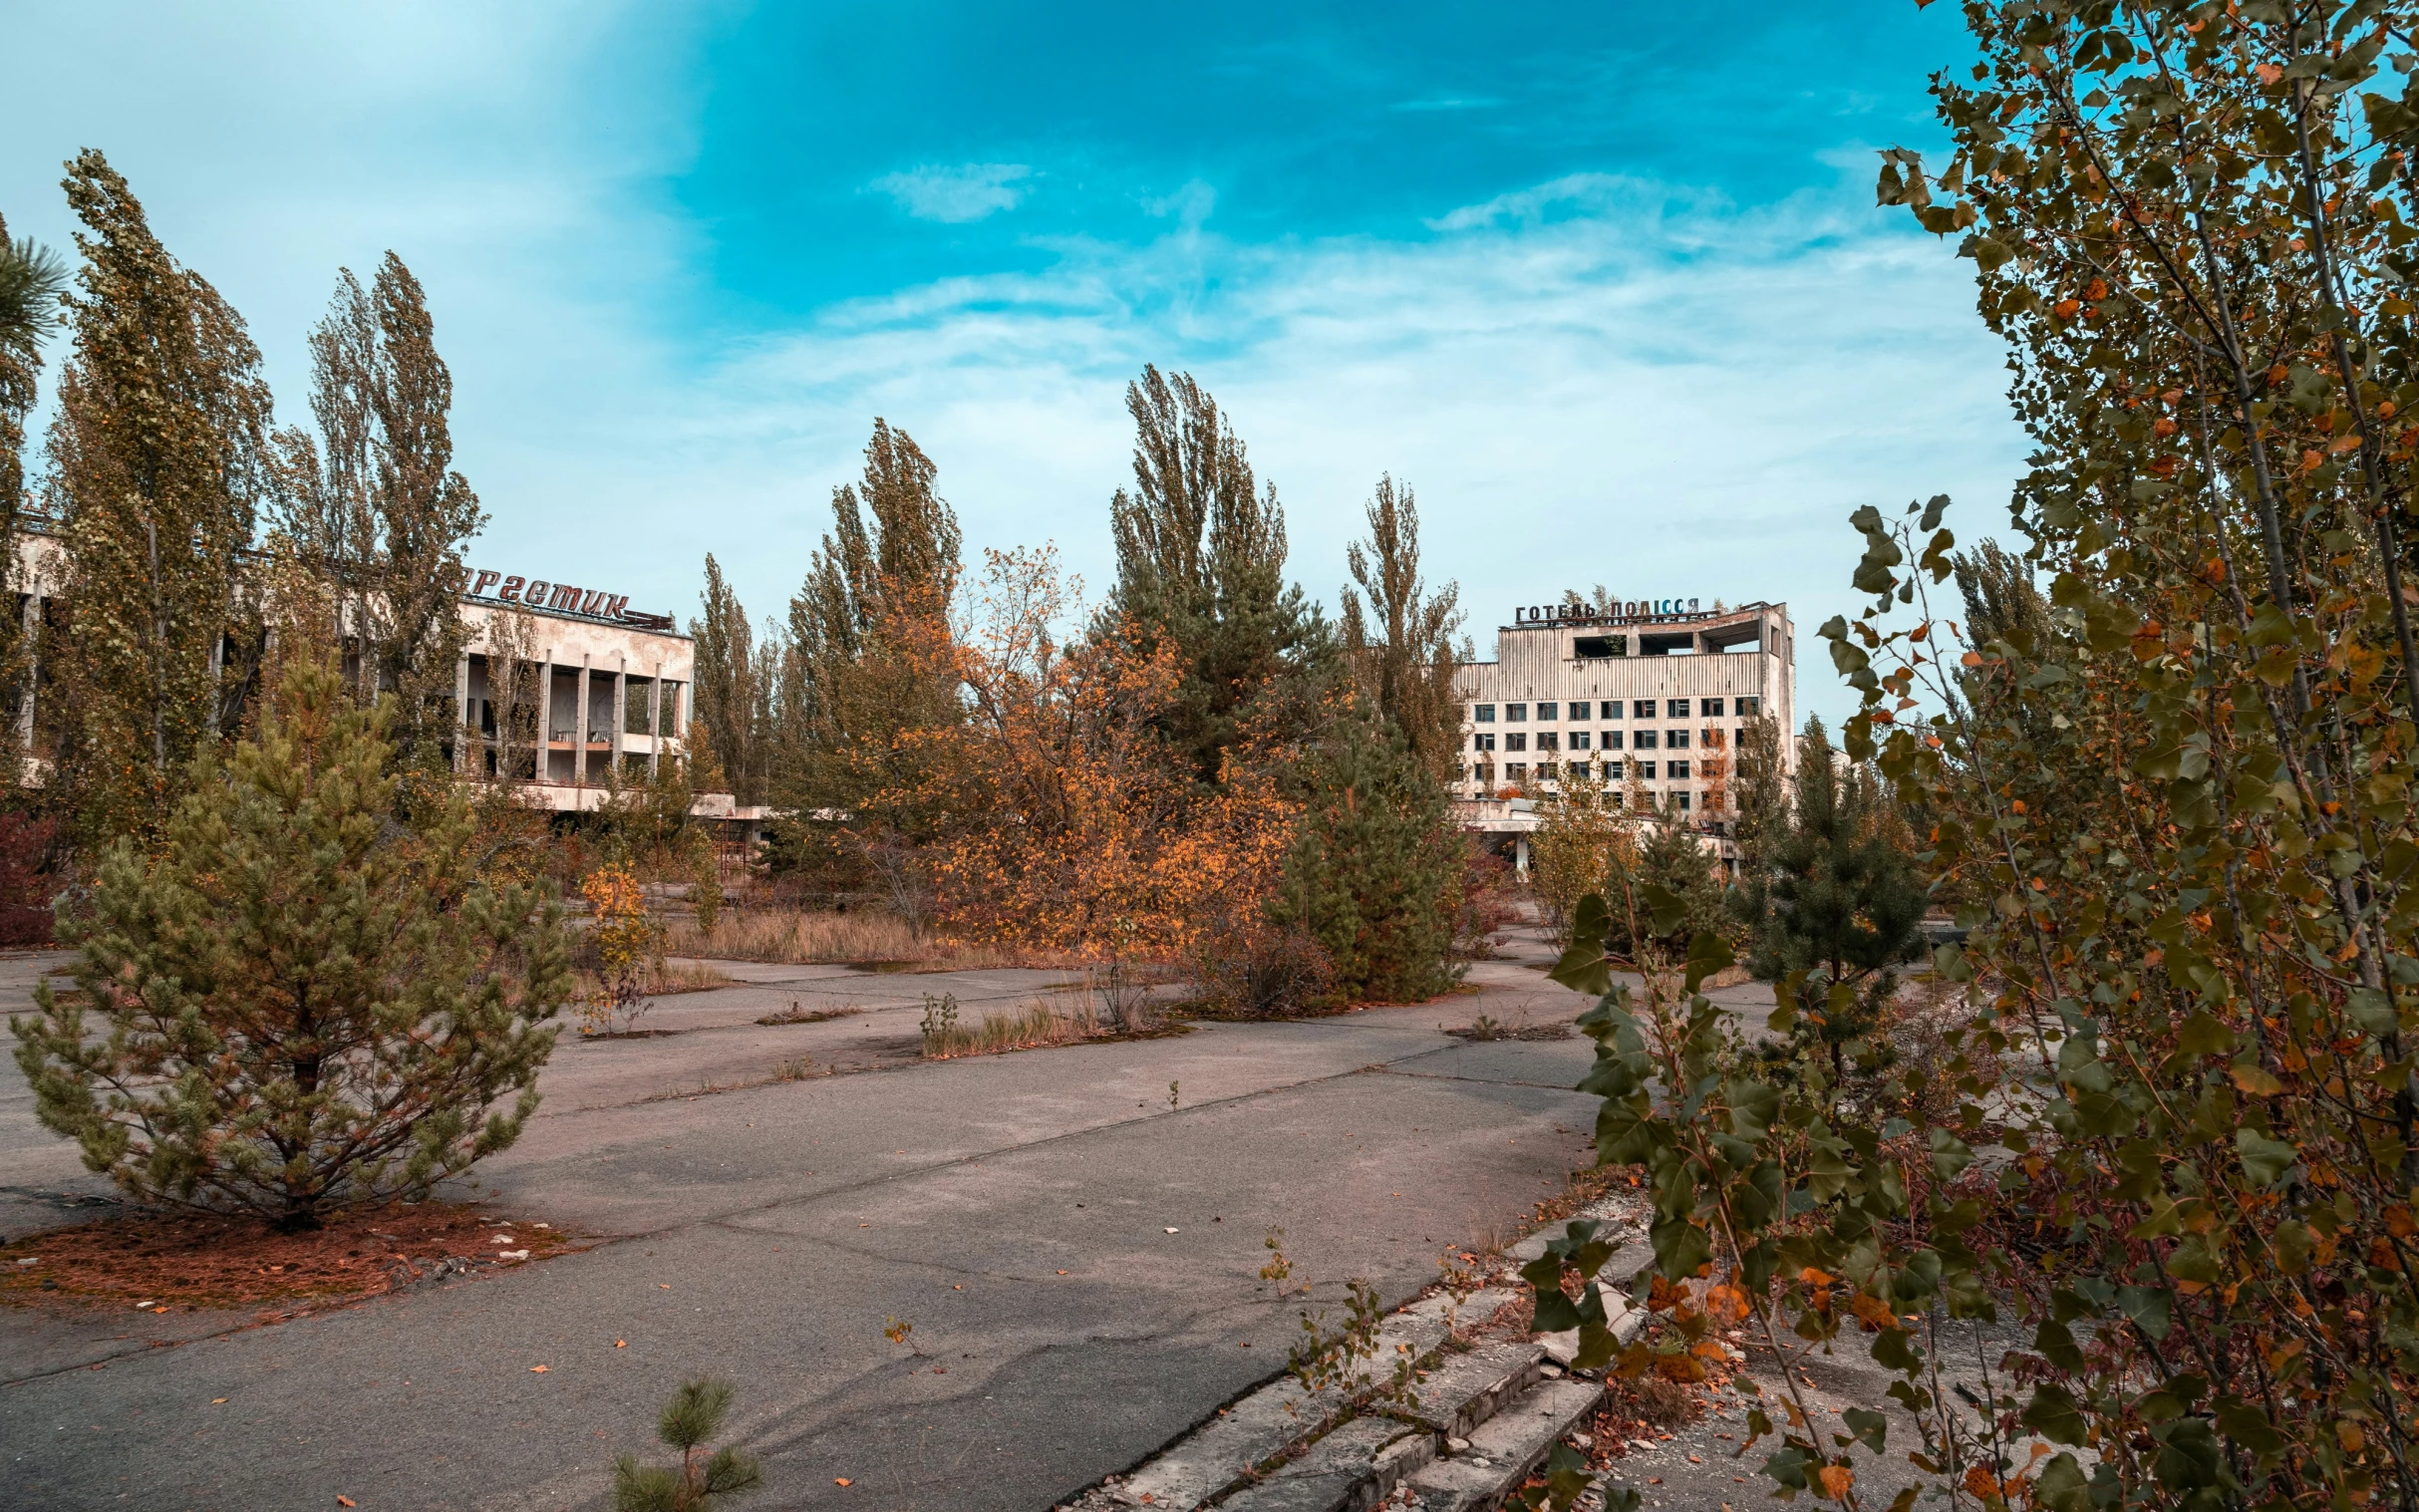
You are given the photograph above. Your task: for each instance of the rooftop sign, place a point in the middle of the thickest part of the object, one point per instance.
(1627, 612)
(563, 598)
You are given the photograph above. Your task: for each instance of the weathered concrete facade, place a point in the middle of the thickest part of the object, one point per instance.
(1653, 696)
(614, 686)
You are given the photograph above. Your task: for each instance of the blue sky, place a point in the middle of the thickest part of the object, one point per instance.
(1603, 283)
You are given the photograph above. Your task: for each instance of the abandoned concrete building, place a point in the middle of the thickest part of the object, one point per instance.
(1646, 697)
(604, 692)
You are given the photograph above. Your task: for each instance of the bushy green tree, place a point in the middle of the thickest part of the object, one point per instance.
(1846, 904)
(1201, 553)
(2174, 798)
(295, 1005)
(1374, 872)
(1668, 856)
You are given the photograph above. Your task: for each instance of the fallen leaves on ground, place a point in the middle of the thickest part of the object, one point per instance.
(160, 1261)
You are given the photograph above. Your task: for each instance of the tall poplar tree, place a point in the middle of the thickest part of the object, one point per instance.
(157, 467)
(872, 660)
(375, 504)
(725, 693)
(1201, 564)
(1400, 647)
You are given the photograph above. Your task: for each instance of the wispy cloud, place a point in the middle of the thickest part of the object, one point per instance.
(1663, 390)
(1450, 102)
(968, 192)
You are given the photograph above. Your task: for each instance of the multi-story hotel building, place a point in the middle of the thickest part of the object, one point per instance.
(1653, 696)
(611, 686)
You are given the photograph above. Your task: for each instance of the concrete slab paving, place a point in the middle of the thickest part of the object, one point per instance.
(1016, 1209)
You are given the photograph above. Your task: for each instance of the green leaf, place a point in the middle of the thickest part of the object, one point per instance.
(2062, 1486)
(2264, 1160)
(2054, 1415)
(1871, 1430)
(2150, 1307)
(1680, 1245)
(1669, 909)
(1709, 955)
(1584, 968)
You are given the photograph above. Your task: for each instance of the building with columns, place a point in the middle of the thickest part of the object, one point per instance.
(611, 686)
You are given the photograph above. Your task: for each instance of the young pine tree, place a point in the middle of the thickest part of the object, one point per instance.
(300, 1008)
(1846, 900)
(691, 1419)
(1374, 874)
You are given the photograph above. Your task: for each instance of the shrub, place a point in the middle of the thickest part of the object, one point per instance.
(301, 1007)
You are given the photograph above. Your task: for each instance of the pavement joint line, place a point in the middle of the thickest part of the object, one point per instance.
(725, 1218)
(960, 1161)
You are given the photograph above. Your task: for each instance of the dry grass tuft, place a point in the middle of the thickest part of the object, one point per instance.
(796, 937)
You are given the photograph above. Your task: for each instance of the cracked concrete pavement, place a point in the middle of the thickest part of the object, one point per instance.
(767, 1232)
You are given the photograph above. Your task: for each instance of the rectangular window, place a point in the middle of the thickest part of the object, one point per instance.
(1579, 740)
(1678, 771)
(1612, 740)
(1517, 740)
(1647, 769)
(1579, 711)
(1610, 709)
(1675, 740)
(1486, 739)
(1750, 707)
(1486, 774)
(1515, 771)
(1679, 802)
(1548, 739)
(1482, 714)
(1517, 714)
(1676, 708)
(1545, 712)
(1611, 772)
(1644, 739)
(1642, 708)
(1545, 771)
(1595, 648)
(1715, 738)
(1579, 771)
(1709, 708)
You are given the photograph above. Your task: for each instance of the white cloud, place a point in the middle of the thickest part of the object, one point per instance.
(1595, 378)
(968, 192)
(1666, 393)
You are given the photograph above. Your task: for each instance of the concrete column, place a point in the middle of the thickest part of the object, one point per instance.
(621, 718)
(545, 714)
(579, 729)
(1520, 854)
(655, 721)
(466, 729)
(33, 669)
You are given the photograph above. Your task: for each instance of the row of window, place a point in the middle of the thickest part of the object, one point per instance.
(1608, 739)
(1677, 800)
(1639, 709)
(1582, 772)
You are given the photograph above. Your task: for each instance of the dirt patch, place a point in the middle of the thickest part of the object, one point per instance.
(794, 1014)
(175, 1261)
